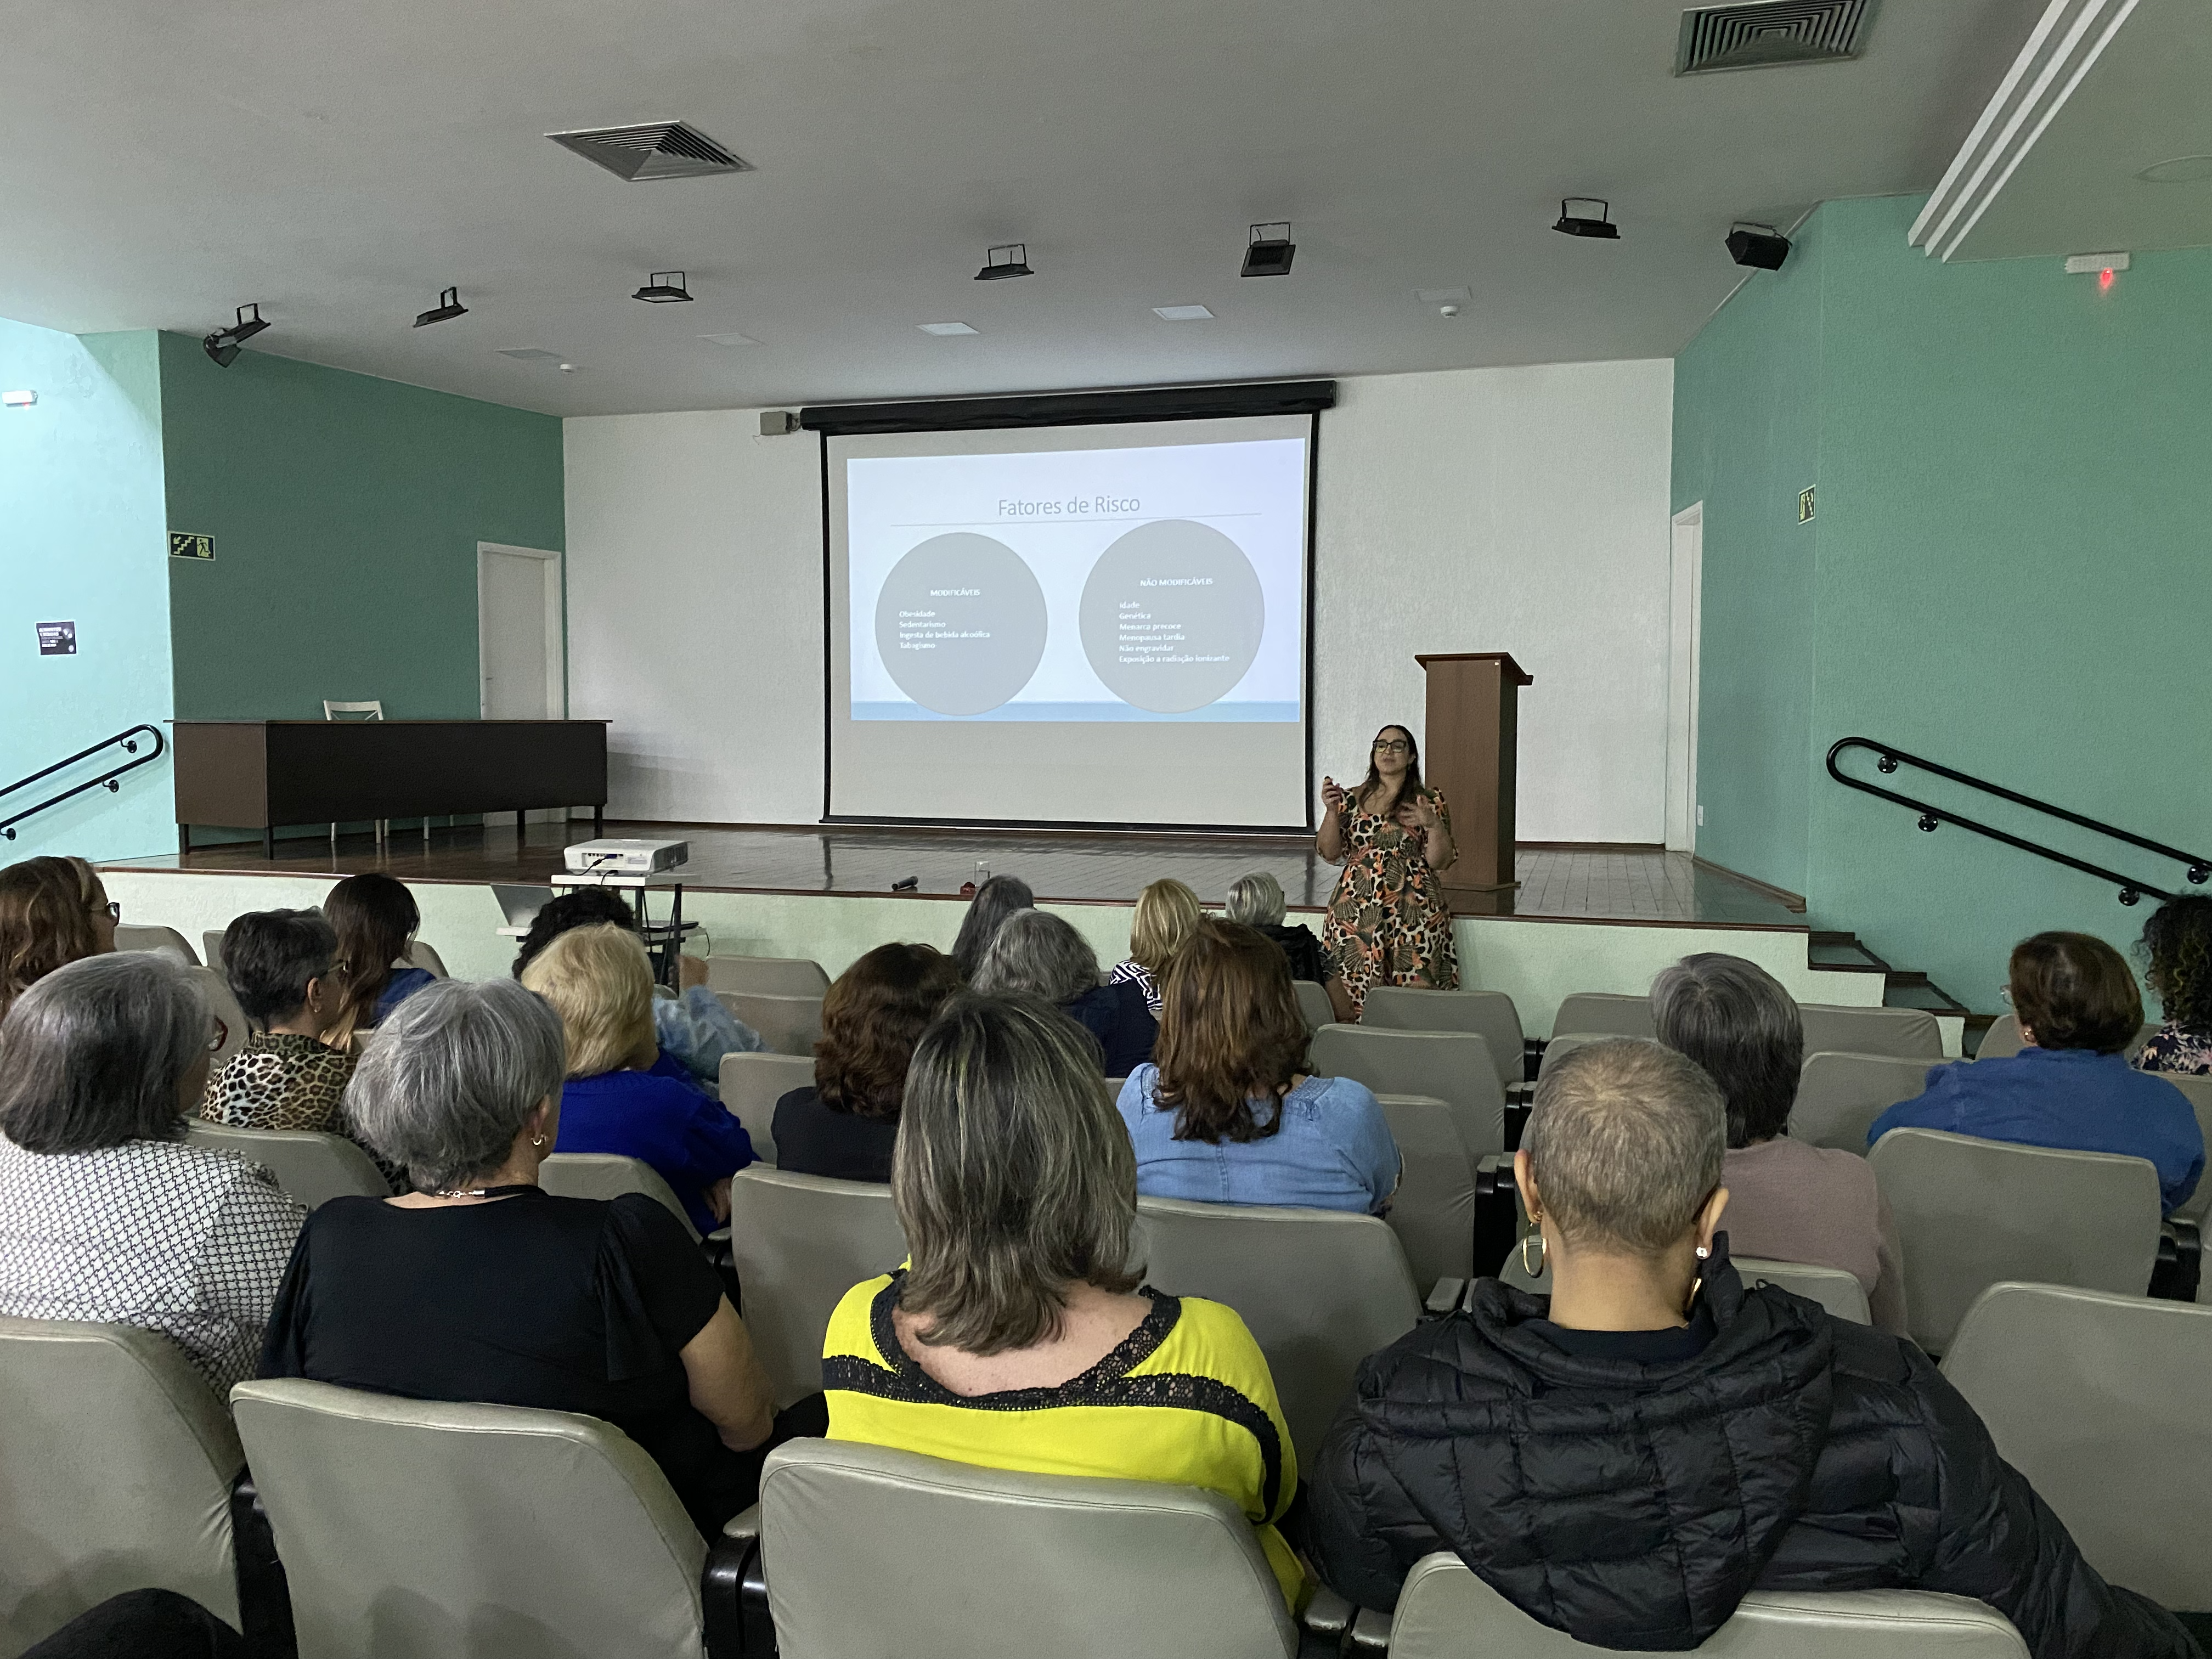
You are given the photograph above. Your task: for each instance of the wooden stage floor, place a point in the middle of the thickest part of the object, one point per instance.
(1585, 883)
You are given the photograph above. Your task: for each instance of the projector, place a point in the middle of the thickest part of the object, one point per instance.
(624, 857)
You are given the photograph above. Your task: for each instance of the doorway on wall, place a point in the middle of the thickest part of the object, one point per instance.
(1686, 585)
(521, 664)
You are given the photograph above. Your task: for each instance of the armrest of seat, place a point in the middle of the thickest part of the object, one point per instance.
(2179, 1268)
(265, 1595)
(733, 1592)
(1516, 1114)
(1325, 1624)
(1497, 1212)
(1370, 1635)
(1444, 1297)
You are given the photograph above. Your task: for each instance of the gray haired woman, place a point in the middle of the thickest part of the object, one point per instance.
(1257, 900)
(106, 1213)
(1036, 953)
(1017, 1186)
(483, 1286)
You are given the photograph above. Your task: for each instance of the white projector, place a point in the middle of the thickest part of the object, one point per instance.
(624, 857)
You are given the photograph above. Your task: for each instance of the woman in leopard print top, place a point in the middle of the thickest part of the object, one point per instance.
(279, 965)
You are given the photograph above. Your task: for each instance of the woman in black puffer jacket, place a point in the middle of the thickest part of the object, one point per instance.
(1627, 1460)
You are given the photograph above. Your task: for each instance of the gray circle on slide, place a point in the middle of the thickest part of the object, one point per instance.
(961, 623)
(1172, 616)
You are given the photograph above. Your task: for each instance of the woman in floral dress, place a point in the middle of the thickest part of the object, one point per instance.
(1388, 921)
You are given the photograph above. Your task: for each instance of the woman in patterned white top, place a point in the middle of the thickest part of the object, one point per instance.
(106, 1214)
(1167, 914)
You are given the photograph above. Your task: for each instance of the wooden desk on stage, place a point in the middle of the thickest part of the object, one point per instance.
(260, 774)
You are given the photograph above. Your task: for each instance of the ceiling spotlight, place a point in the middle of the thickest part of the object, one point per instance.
(449, 307)
(1581, 224)
(222, 345)
(1269, 250)
(1008, 259)
(1760, 246)
(658, 290)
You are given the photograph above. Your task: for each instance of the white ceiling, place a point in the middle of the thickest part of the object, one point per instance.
(340, 163)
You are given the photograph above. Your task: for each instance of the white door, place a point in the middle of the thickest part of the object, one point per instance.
(1684, 623)
(518, 633)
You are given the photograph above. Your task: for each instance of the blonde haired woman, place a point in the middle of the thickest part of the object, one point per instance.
(622, 1095)
(1167, 914)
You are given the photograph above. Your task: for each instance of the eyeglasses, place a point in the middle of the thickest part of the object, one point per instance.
(2005, 991)
(1394, 746)
(113, 909)
(217, 1037)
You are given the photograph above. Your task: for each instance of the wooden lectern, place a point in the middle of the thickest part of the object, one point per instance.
(1471, 749)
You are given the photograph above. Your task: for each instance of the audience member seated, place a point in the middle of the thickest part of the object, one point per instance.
(1166, 912)
(143, 1624)
(484, 1287)
(694, 1028)
(2177, 944)
(279, 966)
(846, 1122)
(1036, 953)
(1227, 1113)
(1016, 1336)
(1625, 1459)
(1257, 900)
(375, 919)
(623, 1096)
(106, 1213)
(53, 911)
(2071, 1086)
(1787, 1201)
(994, 901)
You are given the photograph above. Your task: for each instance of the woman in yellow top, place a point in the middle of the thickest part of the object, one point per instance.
(1016, 1337)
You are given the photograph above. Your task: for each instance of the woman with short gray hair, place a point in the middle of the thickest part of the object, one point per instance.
(1017, 1187)
(1788, 1201)
(1628, 1458)
(1257, 900)
(107, 1214)
(1036, 953)
(484, 1287)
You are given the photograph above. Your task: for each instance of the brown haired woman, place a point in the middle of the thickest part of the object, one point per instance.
(1226, 1112)
(1389, 920)
(375, 919)
(53, 911)
(847, 1124)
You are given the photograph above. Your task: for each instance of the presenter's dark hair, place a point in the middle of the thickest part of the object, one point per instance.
(1230, 1033)
(374, 917)
(872, 1018)
(2177, 947)
(994, 901)
(584, 907)
(269, 956)
(1372, 783)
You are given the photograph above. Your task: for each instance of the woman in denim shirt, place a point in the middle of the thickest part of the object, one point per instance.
(1227, 1113)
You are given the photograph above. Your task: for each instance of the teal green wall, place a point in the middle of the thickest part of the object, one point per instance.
(346, 512)
(82, 541)
(2010, 575)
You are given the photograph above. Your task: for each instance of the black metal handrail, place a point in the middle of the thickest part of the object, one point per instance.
(1932, 818)
(128, 738)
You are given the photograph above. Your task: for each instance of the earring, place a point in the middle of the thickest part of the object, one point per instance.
(1704, 1251)
(1533, 1269)
(538, 1141)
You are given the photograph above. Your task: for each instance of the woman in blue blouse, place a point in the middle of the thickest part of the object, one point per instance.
(623, 1096)
(1228, 1112)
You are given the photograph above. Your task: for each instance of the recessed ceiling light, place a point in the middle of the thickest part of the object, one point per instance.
(1181, 313)
(1439, 296)
(945, 328)
(2181, 170)
(731, 339)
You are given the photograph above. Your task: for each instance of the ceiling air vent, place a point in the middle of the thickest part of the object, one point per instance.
(659, 150)
(1766, 34)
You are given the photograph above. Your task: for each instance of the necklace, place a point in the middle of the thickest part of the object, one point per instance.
(490, 1191)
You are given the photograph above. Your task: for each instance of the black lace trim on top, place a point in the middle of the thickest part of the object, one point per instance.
(1106, 1383)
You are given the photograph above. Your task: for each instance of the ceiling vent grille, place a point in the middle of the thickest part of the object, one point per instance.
(658, 149)
(1766, 34)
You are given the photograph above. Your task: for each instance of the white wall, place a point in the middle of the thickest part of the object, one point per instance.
(1514, 509)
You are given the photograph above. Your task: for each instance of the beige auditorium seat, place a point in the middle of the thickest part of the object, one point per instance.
(1453, 1067)
(312, 1167)
(156, 941)
(116, 1466)
(1603, 1014)
(1839, 1293)
(211, 947)
(799, 1242)
(788, 1025)
(1907, 1033)
(1433, 1213)
(607, 1175)
(1314, 1004)
(2003, 1038)
(1565, 1044)
(224, 1006)
(420, 955)
(1488, 1014)
(2199, 1205)
(2105, 1403)
(1445, 1611)
(873, 1553)
(751, 1086)
(416, 1529)
(1839, 1097)
(779, 976)
(1321, 1290)
(1970, 1212)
